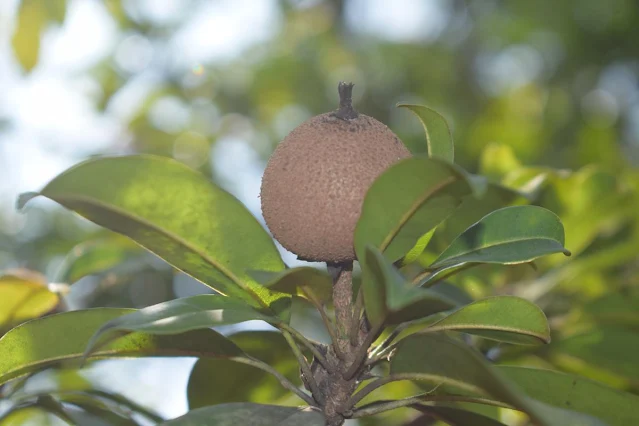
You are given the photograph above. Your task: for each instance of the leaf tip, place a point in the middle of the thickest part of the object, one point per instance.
(24, 198)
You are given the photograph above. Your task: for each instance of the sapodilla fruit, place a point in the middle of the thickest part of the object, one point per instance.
(315, 181)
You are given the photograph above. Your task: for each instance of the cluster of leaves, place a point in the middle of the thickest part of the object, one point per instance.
(424, 330)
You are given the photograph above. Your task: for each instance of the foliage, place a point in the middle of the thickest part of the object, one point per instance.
(432, 253)
(173, 212)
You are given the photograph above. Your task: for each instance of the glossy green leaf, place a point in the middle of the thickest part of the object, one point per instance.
(24, 295)
(249, 414)
(438, 135)
(30, 23)
(454, 416)
(510, 235)
(576, 393)
(44, 342)
(608, 348)
(472, 209)
(299, 281)
(97, 256)
(393, 220)
(504, 318)
(235, 382)
(176, 213)
(440, 360)
(390, 298)
(179, 316)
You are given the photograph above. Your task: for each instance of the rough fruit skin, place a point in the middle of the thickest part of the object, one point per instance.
(315, 182)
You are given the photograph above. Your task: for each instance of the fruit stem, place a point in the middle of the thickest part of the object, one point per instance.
(345, 111)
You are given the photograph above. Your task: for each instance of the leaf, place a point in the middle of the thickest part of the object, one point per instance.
(614, 308)
(176, 213)
(96, 256)
(249, 414)
(111, 414)
(390, 299)
(30, 22)
(454, 416)
(28, 415)
(418, 248)
(576, 393)
(607, 347)
(116, 9)
(179, 316)
(44, 342)
(503, 318)
(56, 10)
(440, 360)
(497, 160)
(510, 235)
(394, 220)
(438, 135)
(24, 295)
(297, 281)
(472, 209)
(235, 382)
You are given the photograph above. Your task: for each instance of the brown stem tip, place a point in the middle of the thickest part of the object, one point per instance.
(345, 111)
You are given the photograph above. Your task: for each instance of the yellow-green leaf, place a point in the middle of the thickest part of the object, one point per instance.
(31, 20)
(44, 342)
(24, 295)
(176, 213)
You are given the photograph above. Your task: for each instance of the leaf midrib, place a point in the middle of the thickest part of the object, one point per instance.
(414, 208)
(488, 246)
(435, 327)
(178, 239)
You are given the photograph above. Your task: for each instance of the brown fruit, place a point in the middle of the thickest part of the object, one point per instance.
(315, 181)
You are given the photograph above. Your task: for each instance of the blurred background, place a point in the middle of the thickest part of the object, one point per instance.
(542, 96)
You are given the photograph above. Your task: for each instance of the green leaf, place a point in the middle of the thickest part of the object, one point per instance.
(96, 256)
(472, 209)
(614, 308)
(390, 299)
(504, 318)
(249, 414)
(438, 135)
(454, 416)
(24, 295)
(111, 414)
(176, 213)
(57, 10)
(393, 220)
(27, 415)
(418, 248)
(44, 342)
(314, 282)
(510, 235)
(497, 160)
(440, 360)
(30, 22)
(607, 347)
(235, 382)
(179, 316)
(576, 393)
